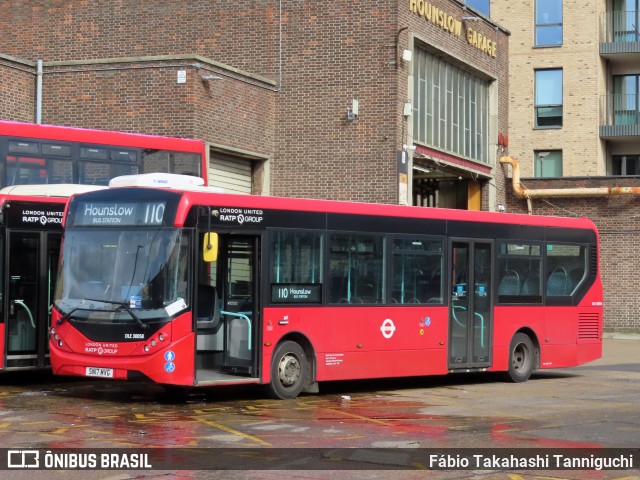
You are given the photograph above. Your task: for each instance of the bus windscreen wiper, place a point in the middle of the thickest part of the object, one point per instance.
(124, 306)
(66, 316)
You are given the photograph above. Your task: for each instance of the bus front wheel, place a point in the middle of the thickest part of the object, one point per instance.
(288, 371)
(521, 358)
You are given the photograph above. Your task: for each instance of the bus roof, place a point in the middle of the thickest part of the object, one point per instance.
(200, 195)
(361, 208)
(100, 137)
(60, 190)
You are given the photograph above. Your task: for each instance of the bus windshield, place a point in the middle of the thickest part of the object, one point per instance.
(125, 275)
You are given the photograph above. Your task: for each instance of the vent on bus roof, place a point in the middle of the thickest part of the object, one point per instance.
(159, 180)
(588, 326)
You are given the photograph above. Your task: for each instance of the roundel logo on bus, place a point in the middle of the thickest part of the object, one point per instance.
(388, 328)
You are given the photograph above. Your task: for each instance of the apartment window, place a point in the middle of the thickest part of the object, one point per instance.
(481, 6)
(626, 18)
(548, 23)
(548, 163)
(625, 165)
(548, 98)
(625, 99)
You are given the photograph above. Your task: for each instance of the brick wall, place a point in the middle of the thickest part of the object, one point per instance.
(17, 90)
(242, 33)
(619, 226)
(336, 52)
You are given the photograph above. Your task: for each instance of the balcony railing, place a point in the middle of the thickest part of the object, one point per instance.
(619, 115)
(619, 33)
(619, 27)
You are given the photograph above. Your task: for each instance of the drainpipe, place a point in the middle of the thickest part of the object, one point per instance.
(39, 92)
(527, 193)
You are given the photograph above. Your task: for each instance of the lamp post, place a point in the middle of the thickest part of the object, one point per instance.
(541, 156)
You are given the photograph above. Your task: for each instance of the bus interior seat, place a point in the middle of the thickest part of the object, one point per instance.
(93, 289)
(337, 288)
(558, 283)
(208, 315)
(23, 179)
(510, 283)
(531, 284)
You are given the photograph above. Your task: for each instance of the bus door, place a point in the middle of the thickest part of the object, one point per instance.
(239, 305)
(32, 264)
(228, 346)
(471, 313)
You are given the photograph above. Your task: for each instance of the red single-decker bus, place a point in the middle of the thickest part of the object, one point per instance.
(188, 287)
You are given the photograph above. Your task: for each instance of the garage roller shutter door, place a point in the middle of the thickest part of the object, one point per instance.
(230, 173)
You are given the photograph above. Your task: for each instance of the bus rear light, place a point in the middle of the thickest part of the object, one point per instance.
(52, 331)
(153, 342)
(146, 348)
(60, 343)
(161, 337)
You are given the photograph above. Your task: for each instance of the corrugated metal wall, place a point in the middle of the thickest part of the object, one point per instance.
(232, 174)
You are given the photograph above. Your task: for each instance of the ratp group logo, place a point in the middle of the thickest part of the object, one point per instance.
(23, 459)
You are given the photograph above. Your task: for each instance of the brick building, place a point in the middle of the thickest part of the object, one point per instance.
(272, 87)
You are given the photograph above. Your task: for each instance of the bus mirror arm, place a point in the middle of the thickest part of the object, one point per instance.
(66, 317)
(210, 247)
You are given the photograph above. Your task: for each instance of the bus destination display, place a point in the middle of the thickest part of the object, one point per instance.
(119, 213)
(296, 293)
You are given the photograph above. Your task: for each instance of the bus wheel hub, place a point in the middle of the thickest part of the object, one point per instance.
(289, 370)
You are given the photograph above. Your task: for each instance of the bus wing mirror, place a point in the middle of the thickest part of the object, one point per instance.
(210, 247)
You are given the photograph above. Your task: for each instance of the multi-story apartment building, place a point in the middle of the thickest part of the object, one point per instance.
(574, 126)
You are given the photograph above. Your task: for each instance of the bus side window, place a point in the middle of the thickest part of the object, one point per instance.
(519, 267)
(566, 268)
(416, 270)
(357, 264)
(296, 260)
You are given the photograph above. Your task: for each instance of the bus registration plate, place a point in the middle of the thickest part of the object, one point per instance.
(99, 372)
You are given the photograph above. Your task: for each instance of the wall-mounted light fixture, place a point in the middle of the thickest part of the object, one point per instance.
(469, 18)
(407, 109)
(407, 55)
(352, 112)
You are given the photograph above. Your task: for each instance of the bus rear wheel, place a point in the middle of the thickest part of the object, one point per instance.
(521, 358)
(288, 371)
